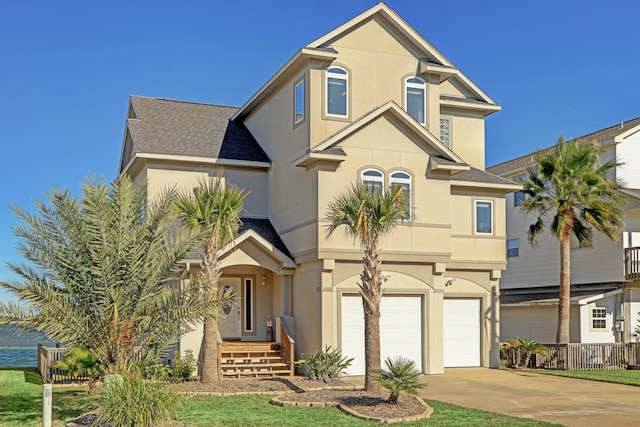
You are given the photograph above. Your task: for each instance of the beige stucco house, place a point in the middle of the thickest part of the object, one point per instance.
(371, 100)
(605, 275)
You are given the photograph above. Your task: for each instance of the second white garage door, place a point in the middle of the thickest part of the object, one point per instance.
(400, 329)
(461, 332)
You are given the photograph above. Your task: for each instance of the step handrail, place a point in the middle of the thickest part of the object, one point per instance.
(288, 345)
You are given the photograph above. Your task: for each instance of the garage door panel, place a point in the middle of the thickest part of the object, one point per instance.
(461, 325)
(400, 330)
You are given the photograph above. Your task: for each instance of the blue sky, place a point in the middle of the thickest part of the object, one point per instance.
(67, 68)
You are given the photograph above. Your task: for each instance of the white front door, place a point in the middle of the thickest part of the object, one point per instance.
(230, 321)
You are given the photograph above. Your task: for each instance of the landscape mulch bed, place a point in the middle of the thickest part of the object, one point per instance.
(257, 385)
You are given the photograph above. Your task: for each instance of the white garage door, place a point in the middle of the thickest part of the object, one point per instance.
(461, 332)
(400, 329)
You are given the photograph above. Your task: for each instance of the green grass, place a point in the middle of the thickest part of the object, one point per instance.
(21, 405)
(21, 399)
(628, 377)
(252, 410)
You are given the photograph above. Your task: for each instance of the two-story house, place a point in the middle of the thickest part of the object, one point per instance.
(605, 290)
(369, 101)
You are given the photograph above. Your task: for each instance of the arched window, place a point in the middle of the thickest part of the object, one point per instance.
(403, 180)
(415, 99)
(372, 178)
(337, 91)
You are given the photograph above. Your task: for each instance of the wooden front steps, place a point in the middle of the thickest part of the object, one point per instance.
(253, 359)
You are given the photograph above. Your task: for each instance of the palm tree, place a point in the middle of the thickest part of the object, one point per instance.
(400, 376)
(574, 188)
(213, 208)
(526, 348)
(80, 362)
(101, 270)
(368, 214)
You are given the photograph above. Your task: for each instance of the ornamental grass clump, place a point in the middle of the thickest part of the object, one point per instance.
(324, 365)
(400, 376)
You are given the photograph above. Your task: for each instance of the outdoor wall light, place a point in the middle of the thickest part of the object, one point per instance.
(264, 280)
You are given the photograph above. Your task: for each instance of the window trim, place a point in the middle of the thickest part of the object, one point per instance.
(517, 248)
(380, 179)
(594, 318)
(475, 217)
(329, 74)
(422, 86)
(296, 120)
(409, 180)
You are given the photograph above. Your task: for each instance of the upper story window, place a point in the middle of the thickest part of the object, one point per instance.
(337, 91)
(372, 178)
(403, 180)
(416, 98)
(519, 196)
(598, 318)
(484, 217)
(512, 248)
(298, 102)
(445, 131)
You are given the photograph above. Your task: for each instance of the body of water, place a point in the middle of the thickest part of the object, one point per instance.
(20, 349)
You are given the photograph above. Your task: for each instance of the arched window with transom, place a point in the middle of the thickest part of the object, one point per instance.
(415, 98)
(372, 178)
(337, 87)
(402, 179)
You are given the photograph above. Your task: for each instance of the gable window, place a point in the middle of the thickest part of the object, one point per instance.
(402, 179)
(445, 131)
(512, 248)
(598, 318)
(416, 98)
(372, 178)
(484, 217)
(337, 91)
(298, 102)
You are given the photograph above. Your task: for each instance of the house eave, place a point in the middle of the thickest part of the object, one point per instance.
(486, 109)
(204, 160)
(311, 158)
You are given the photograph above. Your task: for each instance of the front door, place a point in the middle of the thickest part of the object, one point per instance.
(230, 324)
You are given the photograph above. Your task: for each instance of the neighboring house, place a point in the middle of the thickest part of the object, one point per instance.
(374, 101)
(605, 284)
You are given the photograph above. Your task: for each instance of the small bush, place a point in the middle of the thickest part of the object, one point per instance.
(185, 366)
(132, 401)
(400, 376)
(158, 371)
(324, 365)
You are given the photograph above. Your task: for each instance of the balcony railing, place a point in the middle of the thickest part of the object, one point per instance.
(632, 263)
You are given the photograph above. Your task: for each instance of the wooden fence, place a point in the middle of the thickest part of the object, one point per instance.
(47, 356)
(578, 357)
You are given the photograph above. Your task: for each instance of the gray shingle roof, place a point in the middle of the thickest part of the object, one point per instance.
(599, 136)
(477, 175)
(163, 126)
(264, 228)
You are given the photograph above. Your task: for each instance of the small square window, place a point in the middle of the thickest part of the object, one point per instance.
(518, 198)
(512, 248)
(599, 318)
(298, 113)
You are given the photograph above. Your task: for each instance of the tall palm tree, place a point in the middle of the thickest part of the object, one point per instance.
(100, 272)
(572, 186)
(213, 208)
(369, 214)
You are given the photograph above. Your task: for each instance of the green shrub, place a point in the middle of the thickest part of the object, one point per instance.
(80, 362)
(185, 366)
(324, 365)
(134, 402)
(158, 371)
(400, 376)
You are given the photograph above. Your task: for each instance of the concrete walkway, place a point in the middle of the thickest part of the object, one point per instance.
(542, 397)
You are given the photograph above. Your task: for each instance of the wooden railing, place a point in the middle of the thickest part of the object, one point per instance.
(47, 356)
(578, 357)
(288, 345)
(632, 263)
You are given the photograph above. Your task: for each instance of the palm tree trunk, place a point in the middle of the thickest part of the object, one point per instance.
(211, 273)
(371, 291)
(562, 335)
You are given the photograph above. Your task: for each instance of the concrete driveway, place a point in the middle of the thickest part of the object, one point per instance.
(542, 397)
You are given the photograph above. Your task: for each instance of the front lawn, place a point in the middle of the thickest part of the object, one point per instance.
(21, 399)
(628, 377)
(21, 405)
